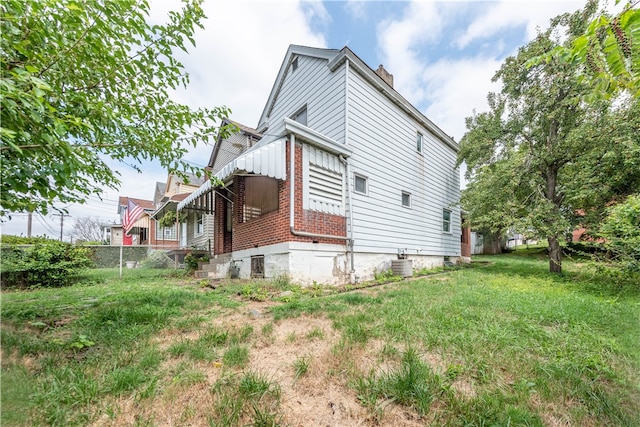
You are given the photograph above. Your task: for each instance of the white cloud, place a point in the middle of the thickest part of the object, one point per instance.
(399, 40)
(505, 15)
(453, 91)
(238, 54)
(356, 8)
(450, 88)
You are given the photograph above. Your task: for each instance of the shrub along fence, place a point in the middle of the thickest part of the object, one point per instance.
(53, 263)
(42, 264)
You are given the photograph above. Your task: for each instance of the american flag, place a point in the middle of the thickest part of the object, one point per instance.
(132, 213)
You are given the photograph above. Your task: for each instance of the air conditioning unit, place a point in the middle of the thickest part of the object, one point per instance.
(402, 267)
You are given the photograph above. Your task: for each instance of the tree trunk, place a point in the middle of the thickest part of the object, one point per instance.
(555, 255)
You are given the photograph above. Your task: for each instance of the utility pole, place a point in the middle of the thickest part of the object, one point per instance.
(61, 223)
(29, 221)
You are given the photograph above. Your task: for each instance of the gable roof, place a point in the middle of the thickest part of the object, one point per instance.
(161, 187)
(147, 205)
(246, 130)
(335, 58)
(292, 52)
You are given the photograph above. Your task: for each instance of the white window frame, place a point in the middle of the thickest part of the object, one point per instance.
(419, 142)
(198, 230)
(402, 197)
(446, 222)
(161, 232)
(366, 184)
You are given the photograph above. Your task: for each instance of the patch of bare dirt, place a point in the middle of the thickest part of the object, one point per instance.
(320, 397)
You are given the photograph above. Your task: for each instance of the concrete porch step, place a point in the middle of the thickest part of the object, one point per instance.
(212, 269)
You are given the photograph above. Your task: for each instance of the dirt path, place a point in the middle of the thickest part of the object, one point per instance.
(320, 397)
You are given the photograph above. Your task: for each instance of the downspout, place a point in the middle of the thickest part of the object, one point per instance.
(348, 169)
(292, 209)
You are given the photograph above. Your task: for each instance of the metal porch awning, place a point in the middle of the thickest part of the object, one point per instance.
(267, 160)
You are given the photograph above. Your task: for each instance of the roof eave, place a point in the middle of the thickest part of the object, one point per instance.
(316, 138)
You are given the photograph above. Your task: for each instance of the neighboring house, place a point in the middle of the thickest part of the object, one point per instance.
(195, 229)
(146, 230)
(112, 234)
(231, 147)
(347, 177)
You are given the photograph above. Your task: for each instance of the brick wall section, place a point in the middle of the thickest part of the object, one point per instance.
(273, 227)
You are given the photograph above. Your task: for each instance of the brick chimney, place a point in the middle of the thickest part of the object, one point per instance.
(386, 76)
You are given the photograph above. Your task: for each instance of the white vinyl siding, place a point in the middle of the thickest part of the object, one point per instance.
(230, 148)
(384, 141)
(323, 186)
(320, 89)
(203, 240)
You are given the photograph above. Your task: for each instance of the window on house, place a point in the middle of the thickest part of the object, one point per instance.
(301, 116)
(260, 196)
(360, 184)
(419, 144)
(294, 64)
(406, 199)
(199, 229)
(446, 220)
(166, 233)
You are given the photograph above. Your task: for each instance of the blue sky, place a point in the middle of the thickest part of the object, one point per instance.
(442, 55)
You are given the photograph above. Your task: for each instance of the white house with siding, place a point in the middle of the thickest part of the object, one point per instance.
(347, 176)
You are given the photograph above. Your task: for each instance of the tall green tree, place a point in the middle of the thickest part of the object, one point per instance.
(609, 171)
(607, 53)
(87, 82)
(517, 152)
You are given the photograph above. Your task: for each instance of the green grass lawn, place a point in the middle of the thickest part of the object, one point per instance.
(500, 343)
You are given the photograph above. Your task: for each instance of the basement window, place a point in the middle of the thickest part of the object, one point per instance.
(257, 266)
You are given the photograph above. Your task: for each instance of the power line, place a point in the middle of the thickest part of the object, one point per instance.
(44, 223)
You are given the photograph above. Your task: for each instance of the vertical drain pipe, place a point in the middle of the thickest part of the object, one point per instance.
(292, 190)
(352, 273)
